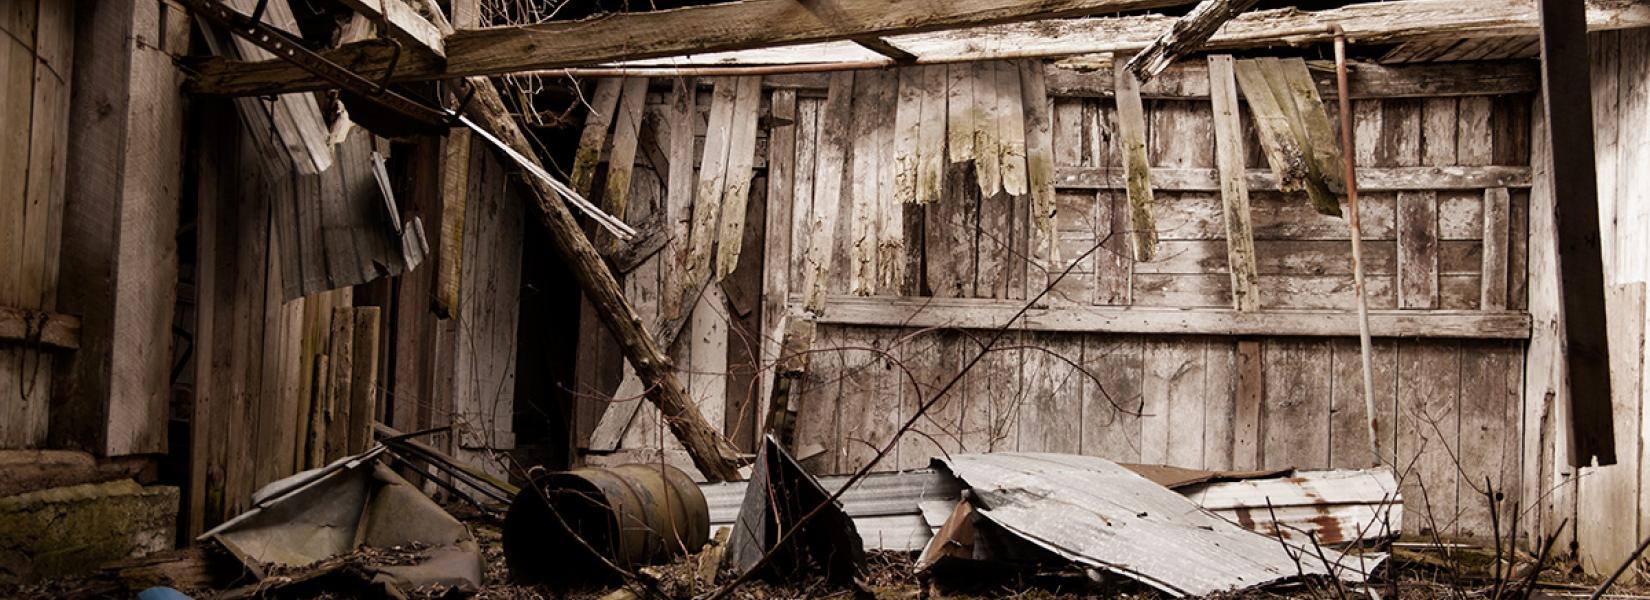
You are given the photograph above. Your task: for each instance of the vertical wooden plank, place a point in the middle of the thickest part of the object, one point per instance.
(1053, 394)
(26, 374)
(1349, 415)
(960, 111)
(891, 255)
(1112, 404)
(870, 397)
(802, 191)
(819, 410)
(776, 238)
(950, 425)
(1428, 422)
(998, 384)
(1296, 392)
(603, 101)
(1438, 139)
(931, 133)
(1249, 405)
(987, 144)
(1276, 133)
(364, 379)
(1131, 128)
(455, 184)
(1606, 60)
(1549, 489)
(1418, 250)
(994, 245)
(1043, 251)
(1632, 217)
(679, 187)
(1173, 396)
(1473, 139)
(1607, 503)
(1497, 215)
(741, 158)
(907, 130)
(744, 288)
(1219, 406)
(864, 224)
(1011, 128)
(1489, 435)
(707, 204)
(709, 342)
(341, 365)
(1234, 192)
(950, 236)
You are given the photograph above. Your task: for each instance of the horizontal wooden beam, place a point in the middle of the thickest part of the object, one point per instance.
(403, 23)
(1373, 179)
(992, 314)
(52, 330)
(1190, 80)
(628, 36)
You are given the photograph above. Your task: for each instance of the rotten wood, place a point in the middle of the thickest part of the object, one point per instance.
(1131, 129)
(1185, 36)
(1234, 194)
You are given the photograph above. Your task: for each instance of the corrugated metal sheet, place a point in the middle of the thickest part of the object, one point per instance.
(1096, 513)
(884, 506)
(1338, 507)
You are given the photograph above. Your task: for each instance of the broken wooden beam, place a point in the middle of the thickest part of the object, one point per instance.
(691, 30)
(403, 23)
(1185, 36)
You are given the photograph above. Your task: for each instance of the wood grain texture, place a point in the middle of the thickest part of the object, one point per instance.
(1131, 129)
(1234, 194)
(707, 204)
(1417, 250)
(741, 158)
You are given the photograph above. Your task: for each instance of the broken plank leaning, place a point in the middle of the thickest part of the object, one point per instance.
(1131, 126)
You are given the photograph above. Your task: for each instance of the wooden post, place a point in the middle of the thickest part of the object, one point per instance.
(1566, 84)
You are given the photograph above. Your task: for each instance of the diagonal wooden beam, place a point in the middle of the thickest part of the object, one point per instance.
(711, 28)
(1186, 36)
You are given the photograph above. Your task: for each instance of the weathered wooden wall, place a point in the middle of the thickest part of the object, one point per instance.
(1444, 231)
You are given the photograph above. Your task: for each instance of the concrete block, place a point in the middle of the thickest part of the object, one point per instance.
(74, 529)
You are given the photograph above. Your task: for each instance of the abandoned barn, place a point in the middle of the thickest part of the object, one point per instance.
(464, 244)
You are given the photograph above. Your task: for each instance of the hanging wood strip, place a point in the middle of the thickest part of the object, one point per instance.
(741, 159)
(1234, 193)
(1131, 126)
(987, 108)
(931, 133)
(621, 161)
(960, 112)
(779, 252)
(829, 162)
(596, 124)
(1277, 139)
(1039, 141)
(1272, 70)
(1011, 128)
(712, 179)
(907, 131)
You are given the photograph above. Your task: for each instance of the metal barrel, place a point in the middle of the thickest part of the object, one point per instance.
(629, 515)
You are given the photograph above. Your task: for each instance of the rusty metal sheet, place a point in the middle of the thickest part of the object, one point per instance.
(1096, 513)
(1335, 507)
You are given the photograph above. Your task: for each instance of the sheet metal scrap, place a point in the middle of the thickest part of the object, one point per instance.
(887, 508)
(355, 501)
(1099, 514)
(1335, 507)
(780, 493)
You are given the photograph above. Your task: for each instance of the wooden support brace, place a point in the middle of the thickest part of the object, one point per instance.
(1186, 36)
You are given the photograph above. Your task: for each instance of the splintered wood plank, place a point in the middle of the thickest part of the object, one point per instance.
(1490, 402)
(907, 131)
(602, 101)
(1234, 192)
(960, 111)
(1417, 250)
(680, 114)
(950, 236)
(931, 81)
(802, 190)
(865, 225)
(737, 187)
(1283, 152)
(1428, 421)
(1349, 415)
(1173, 396)
(707, 203)
(1322, 146)
(1497, 231)
(834, 140)
(987, 140)
(1112, 397)
(1248, 405)
(1131, 127)
(933, 358)
(1053, 393)
(996, 253)
(1043, 250)
(1296, 391)
(778, 247)
(621, 161)
(1011, 128)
